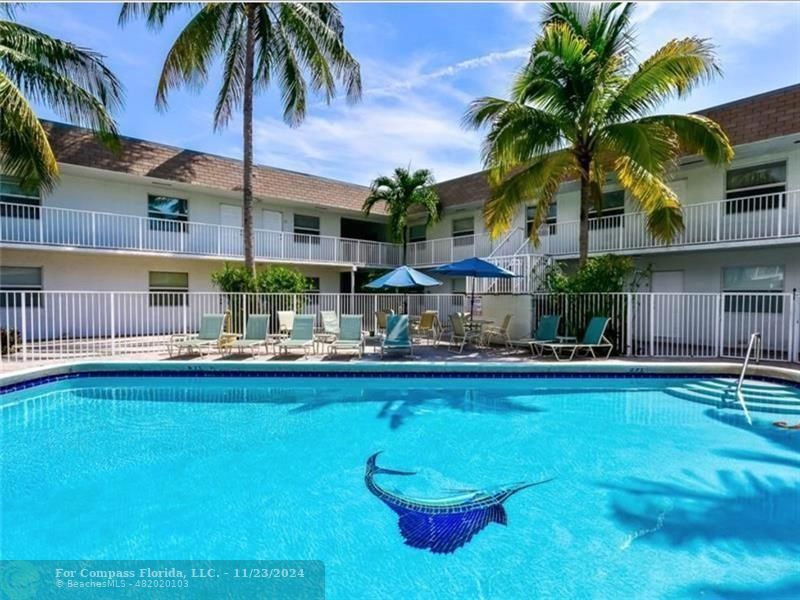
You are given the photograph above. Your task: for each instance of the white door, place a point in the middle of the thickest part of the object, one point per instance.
(270, 242)
(670, 310)
(230, 239)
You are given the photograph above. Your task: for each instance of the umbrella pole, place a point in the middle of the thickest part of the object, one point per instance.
(472, 303)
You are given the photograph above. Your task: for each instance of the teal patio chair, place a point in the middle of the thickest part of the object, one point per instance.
(351, 336)
(398, 335)
(594, 338)
(210, 336)
(256, 333)
(546, 332)
(302, 336)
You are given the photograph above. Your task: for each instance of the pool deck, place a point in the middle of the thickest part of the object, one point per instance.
(424, 354)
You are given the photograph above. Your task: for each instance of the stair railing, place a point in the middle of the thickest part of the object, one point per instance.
(754, 346)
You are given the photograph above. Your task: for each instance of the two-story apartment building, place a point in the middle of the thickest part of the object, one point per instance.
(160, 218)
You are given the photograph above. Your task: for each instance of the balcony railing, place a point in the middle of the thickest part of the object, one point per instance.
(771, 216)
(445, 250)
(50, 226)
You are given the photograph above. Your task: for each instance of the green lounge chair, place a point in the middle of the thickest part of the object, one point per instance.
(330, 327)
(302, 336)
(351, 336)
(398, 335)
(209, 336)
(256, 334)
(546, 332)
(593, 338)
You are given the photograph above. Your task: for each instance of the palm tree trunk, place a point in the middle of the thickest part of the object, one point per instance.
(586, 204)
(405, 247)
(247, 134)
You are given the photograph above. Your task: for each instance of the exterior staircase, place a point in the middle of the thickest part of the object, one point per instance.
(514, 253)
(761, 396)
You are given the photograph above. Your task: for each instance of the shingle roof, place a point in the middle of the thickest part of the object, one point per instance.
(76, 146)
(768, 115)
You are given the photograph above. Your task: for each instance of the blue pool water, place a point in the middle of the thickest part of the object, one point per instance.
(654, 496)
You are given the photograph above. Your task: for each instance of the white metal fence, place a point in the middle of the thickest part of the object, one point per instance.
(687, 325)
(57, 325)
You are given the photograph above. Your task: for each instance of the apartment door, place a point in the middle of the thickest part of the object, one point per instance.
(230, 234)
(669, 312)
(270, 242)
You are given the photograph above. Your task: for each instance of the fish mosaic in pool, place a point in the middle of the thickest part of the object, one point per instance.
(656, 493)
(442, 525)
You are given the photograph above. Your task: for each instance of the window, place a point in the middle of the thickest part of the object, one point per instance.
(550, 221)
(613, 208)
(168, 214)
(749, 289)
(168, 289)
(22, 204)
(459, 285)
(20, 279)
(306, 228)
(313, 285)
(463, 228)
(755, 188)
(416, 233)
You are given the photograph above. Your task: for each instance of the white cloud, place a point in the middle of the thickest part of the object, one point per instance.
(360, 142)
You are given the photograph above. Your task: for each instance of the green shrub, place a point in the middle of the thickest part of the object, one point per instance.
(608, 273)
(233, 279)
(278, 279)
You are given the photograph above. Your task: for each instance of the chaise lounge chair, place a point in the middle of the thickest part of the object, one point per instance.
(398, 335)
(302, 336)
(546, 332)
(256, 334)
(209, 336)
(593, 338)
(351, 336)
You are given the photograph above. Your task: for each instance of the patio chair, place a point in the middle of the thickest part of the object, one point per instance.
(594, 338)
(546, 331)
(256, 333)
(460, 335)
(285, 322)
(427, 326)
(380, 319)
(351, 336)
(330, 326)
(210, 336)
(491, 332)
(302, 336)
(398, 335)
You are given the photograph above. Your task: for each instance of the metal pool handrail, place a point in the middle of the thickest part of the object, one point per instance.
(753, 345)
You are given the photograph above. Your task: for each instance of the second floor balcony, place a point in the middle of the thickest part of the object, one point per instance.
(26, 225)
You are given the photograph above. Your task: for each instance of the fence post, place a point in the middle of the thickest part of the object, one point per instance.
(294, 303)
(718, 324)
(794, 331)
(375, 313)
(629, 325)
(185, 304)
(652, 327)
(24, 327)
(113, 325)
(94, 230)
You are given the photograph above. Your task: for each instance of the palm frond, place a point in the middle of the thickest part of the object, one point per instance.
(672, 71)
(537, 181)
(25, 152)
(696, 134)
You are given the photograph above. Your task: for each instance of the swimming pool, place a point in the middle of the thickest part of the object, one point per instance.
(652, 495)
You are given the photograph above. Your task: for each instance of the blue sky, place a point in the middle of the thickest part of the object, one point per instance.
(421, 65)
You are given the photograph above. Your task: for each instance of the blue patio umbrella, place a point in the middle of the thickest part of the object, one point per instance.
(403, 277)
(474, 267)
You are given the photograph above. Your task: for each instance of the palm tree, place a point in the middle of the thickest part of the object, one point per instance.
(73, 82)
(258, 44)
(580, 110)
(402, 193)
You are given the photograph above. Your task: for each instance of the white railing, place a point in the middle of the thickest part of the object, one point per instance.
(769, 216)
(40, 326)
(693, 325)
(51, 226)
(36, 326)
(530, 268)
